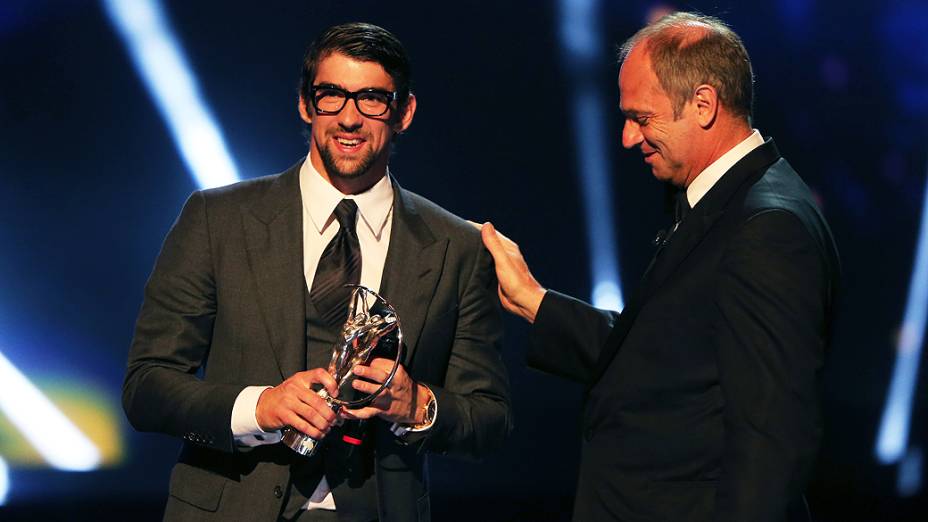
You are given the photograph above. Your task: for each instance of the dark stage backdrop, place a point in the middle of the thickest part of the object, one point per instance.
(92, 180)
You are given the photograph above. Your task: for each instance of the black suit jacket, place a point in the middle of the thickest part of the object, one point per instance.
(704, 395)
(224, 309)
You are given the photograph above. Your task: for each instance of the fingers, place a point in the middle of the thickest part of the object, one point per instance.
(394, 402)
(294, 403)
(309, 420)
(322, 377)
(491, 240)
(366, 387)
(377, 370)
(510, 264)
(368, 412)
(372, 377)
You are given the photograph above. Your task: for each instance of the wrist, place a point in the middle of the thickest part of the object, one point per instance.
(421, 405)
(424, 416)
(262, 423)
(531, 302)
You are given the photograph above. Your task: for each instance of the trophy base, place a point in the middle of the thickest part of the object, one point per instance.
(299, 442)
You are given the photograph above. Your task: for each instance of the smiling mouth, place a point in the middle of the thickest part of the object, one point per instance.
(349, 142)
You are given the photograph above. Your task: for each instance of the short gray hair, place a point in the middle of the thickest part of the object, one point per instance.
(690, 49)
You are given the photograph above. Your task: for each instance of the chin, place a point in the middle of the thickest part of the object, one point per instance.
(660, 176)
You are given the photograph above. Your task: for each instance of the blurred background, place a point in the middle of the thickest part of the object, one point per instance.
(113, 112)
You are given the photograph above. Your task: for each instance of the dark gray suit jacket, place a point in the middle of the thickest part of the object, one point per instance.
(704, 399)
(224, 309)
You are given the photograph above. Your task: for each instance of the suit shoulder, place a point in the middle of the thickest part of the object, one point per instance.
(442, 221)
(275, 188)
(780, 190)
(242, 190)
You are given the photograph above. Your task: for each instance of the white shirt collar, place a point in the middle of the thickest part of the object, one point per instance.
(320, 199)
(714, 172)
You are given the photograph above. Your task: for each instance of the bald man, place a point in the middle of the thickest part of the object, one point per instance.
(703, 395)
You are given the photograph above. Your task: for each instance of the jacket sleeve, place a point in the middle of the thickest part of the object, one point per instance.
(474, 415)
(568, 336)
(162, 391)
(771, 335)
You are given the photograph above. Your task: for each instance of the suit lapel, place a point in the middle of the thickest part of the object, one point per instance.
(413, 265)
(274, 244)
(691, 232)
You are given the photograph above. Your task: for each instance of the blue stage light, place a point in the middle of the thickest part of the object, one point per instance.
(580, 35)
(893, 437)
(4, 481)
(161, 64)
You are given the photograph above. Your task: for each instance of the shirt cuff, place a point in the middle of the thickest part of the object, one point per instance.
(244, 425)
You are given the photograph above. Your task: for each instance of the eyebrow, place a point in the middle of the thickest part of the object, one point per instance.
(328, 85)
(633, 113)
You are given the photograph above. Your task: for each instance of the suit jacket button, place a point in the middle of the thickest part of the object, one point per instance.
(278, 492)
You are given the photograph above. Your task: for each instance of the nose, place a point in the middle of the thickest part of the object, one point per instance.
(350, 118)
(631, 134)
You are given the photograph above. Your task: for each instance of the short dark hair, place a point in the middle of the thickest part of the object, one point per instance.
(691, 49)
(364, 42)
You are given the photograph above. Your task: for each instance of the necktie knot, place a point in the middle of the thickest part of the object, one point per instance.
(339, 265)
(345, 213)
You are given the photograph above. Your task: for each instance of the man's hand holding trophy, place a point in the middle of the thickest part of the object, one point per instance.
(371, 322)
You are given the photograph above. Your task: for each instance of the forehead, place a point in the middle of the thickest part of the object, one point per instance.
(352, 74)
(638, 85)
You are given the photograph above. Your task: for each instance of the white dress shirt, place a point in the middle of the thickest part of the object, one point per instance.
(707, 179)
(375, 208)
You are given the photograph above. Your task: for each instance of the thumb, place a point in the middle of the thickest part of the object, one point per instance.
(492, 241)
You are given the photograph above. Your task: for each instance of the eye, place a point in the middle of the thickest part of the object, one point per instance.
(373, 99)
(642, 121)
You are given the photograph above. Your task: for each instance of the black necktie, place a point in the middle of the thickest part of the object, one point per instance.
(339, 265)
(681, 207)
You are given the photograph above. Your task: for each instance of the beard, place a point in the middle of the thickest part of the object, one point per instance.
(344, 169)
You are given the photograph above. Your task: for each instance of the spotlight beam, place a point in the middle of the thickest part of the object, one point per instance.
(893, 436)
(4, 481)
(579, 36)
(52, 434)
(160, 62)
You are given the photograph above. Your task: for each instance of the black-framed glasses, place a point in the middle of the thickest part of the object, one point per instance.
(370, 102)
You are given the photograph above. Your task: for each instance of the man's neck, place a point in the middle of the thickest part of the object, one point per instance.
(356, 185)
(725, 139)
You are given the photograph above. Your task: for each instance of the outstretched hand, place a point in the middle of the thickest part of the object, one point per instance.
(519, 291)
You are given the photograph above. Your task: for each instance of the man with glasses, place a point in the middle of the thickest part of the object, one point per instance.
(249, 292)
(704, 395)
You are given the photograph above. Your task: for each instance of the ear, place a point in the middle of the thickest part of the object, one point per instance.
(304, 111)
(706, 101)
(405, 119)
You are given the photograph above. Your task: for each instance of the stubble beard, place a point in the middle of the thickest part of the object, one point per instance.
(334, 169)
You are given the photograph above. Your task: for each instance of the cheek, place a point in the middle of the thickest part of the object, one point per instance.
(319, 129)
(654, 138)
(661, 137)
(381, 140)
